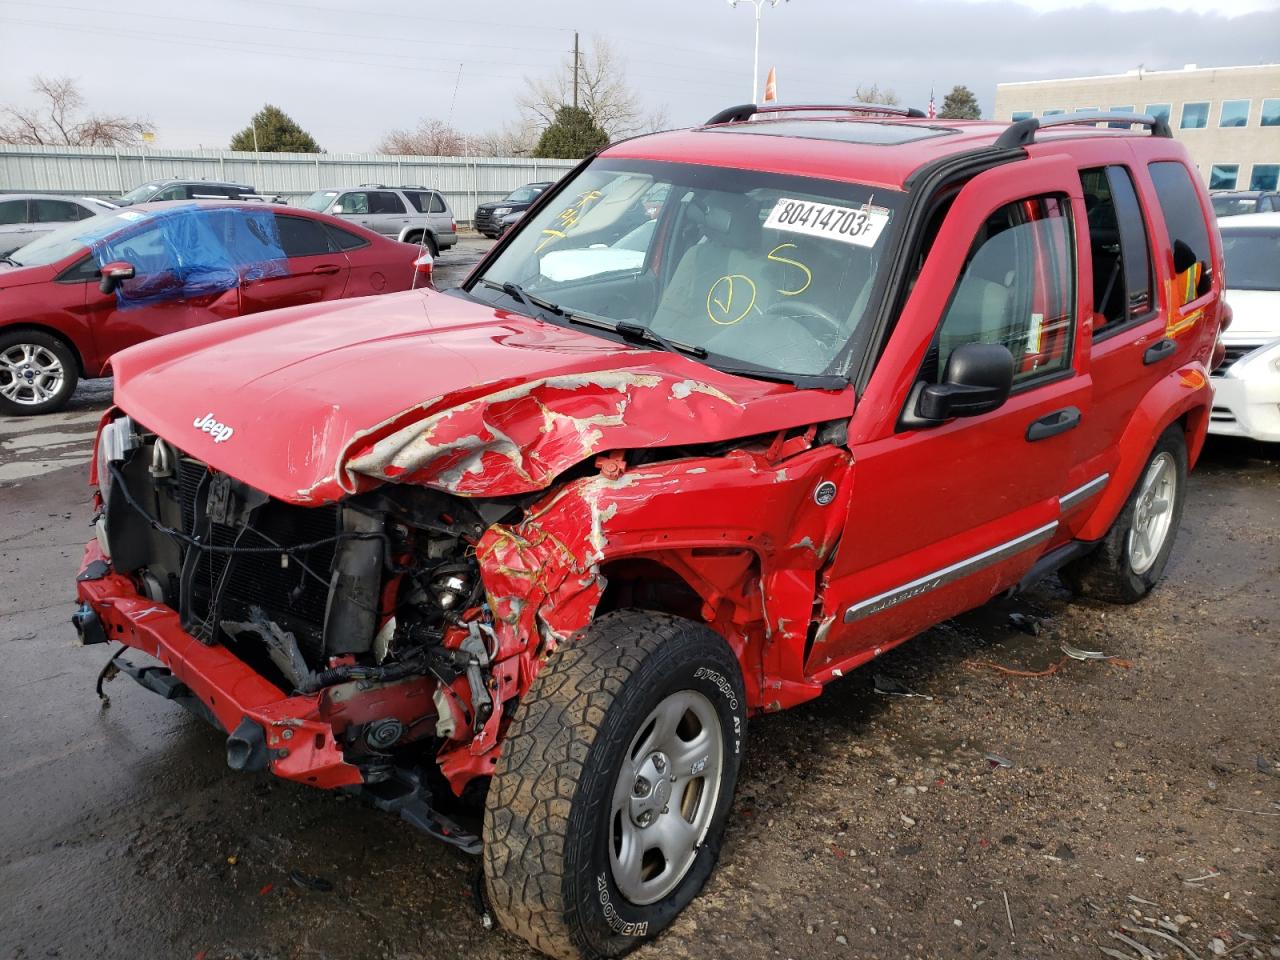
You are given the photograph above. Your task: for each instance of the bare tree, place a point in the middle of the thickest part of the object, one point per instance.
(871, 93)
(603, 92)
(430, 138)
(512, 140)
(57, 119)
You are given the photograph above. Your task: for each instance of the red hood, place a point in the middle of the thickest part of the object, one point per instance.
(429, 388)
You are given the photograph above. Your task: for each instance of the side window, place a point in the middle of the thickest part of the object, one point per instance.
(55, 211)
(384, 202)
(437, 204)
(1017, 289)
(176, 192)
(1118, 246)
(345, 239)
(1188, 234)
(352, 203)
(419, 200)
(13, 211)
(82, 271)
(301, 237)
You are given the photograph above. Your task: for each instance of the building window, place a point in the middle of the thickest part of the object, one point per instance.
(1235, 113)
(1265, 176)
(1052, 112)
(1021, 115)
(1223, 176)
(1195, 115)
(1159, 110)
(1120, 126)
(1270, 113)
(1085, 109)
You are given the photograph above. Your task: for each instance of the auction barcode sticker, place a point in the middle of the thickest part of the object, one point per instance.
(857, 225)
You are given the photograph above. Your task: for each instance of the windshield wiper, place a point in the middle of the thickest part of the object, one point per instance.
(801, 381)
(638, 333)
(9, 260)
(520, 295)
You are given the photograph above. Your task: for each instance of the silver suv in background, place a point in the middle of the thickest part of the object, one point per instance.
(156, 191)
(26, 216)
(411, 214)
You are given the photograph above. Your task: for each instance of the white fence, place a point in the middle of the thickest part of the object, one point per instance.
(105, 172)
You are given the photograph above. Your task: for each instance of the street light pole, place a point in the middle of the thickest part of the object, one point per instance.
(755, 67)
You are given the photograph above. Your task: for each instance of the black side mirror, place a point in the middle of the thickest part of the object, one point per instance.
(978, 379)
(113, 274)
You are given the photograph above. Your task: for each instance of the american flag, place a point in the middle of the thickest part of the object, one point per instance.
(933, 107)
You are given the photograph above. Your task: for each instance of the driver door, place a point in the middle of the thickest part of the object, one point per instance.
(945, 515)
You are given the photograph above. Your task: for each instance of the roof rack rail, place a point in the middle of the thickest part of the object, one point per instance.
(746, 111)
(1023, 132)
(379, 186)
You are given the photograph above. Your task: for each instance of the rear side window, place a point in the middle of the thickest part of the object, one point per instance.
(1188, 234)
(1017, 289)
(301, 237)
(384, 202)
(345, 239)
(437, 204)
(56, 211)
(419, 200)
(13, 211)
(1118, 246)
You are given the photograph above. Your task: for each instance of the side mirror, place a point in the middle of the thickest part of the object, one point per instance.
(113, 274)
(978, 379)
(337, 208)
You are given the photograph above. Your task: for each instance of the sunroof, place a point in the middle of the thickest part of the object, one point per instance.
(846, 131)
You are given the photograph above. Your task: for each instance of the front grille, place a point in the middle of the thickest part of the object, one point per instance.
(1236, 351)
(280, 586)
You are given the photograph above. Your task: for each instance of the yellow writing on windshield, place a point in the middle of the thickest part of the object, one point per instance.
(723, 293)
(808, 274)
(568, 218)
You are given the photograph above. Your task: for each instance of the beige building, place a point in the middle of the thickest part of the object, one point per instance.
(1229, 117)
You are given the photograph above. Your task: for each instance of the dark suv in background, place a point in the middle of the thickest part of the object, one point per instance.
(489, 215)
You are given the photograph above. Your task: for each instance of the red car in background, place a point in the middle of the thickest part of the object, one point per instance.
(76, 296)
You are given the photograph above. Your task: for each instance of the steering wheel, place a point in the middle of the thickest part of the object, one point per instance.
(821, 323)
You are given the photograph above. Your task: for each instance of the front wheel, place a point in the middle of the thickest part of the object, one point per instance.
(1131, 558)
(38, 373)
(605, 816)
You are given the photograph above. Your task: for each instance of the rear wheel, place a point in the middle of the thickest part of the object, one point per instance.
(38, 373)
(606, 813)
(1131, 558)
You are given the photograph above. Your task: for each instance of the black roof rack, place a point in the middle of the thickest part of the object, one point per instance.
(379, 186)
(1023, 132)
(746, 111)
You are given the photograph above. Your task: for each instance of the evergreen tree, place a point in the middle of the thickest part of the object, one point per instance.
(276, 133)
(571, 136)
(960, 104)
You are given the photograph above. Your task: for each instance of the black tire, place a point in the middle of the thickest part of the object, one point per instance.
(549, 821)
(19, 400)
(433, 248)
(1108, 572)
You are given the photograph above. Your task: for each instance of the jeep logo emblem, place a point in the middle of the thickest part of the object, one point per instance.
(207, 423)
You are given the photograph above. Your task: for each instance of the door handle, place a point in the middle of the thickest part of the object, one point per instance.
(1158, 351)
(326, 268)
(1050, 425)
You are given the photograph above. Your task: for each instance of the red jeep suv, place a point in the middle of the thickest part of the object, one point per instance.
(732, 411)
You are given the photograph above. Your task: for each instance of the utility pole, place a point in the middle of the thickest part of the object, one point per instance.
(575, 69)
(755, 69)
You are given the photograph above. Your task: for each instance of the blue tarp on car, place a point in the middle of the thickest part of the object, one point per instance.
(189, 251)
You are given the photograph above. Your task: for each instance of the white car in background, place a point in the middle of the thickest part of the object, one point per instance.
(1246, 397)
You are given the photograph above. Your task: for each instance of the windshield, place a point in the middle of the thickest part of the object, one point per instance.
(74, 236)
(776, 272)
(139, 194)
(319, 200)
(1234, 206)
(525, 194)
(1252, 256)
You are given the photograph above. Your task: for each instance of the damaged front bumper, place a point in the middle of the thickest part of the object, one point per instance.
(298, 734)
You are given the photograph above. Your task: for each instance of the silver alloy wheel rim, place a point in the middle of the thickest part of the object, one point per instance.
(30, 374)
(1153, 513)
(665, 796)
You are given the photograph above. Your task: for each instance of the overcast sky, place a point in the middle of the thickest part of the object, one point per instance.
(350, 71)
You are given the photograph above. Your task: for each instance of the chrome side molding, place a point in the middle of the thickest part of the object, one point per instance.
(1082, 493)
(939, 578)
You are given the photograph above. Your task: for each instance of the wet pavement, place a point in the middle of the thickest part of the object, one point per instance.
(865, 826)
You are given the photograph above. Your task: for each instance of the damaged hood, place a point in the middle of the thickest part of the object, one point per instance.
(311, 403)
